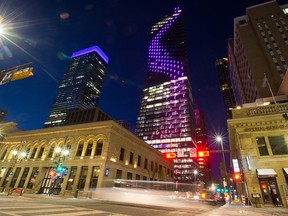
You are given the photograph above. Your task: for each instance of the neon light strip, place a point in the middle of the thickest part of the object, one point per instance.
(89, 50)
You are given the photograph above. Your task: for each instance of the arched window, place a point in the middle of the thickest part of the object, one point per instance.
(89, 148)
(80, 148)
(50, 154)
(33, 153)
(41, 151)
(99, 147)
(3, 155)
(28, 150)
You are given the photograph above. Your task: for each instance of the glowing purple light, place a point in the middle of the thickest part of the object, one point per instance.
(89, 50)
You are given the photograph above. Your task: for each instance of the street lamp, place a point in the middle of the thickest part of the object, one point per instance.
(195, 174)
(220, 140)
(57, 173)
(61, 154)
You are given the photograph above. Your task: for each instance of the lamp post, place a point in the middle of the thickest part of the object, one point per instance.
(57, 174)
(220, 140)
(195, 175)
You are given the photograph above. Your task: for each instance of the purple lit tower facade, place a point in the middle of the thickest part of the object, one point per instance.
(166, 115)
(81, 85)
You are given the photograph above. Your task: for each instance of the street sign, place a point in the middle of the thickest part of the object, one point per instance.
(107, 172)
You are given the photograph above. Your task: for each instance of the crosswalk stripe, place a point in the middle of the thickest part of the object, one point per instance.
(77, 213)
(40, 210)
(60, 210)
(21, 207)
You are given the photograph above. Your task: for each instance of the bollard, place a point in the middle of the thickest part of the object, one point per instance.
(22, 191)
(76, 193)
(90, 194)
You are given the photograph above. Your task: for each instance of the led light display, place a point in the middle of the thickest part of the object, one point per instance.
(166, 116)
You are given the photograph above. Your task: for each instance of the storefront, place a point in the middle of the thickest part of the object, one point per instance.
(258, 136)
(78, 159)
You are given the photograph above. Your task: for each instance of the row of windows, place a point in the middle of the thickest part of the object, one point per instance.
(275, 145)
(37, 152)
(153, 165)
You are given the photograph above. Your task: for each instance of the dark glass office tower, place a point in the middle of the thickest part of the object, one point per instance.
(226, 86)
(81, 86)
(166, 116)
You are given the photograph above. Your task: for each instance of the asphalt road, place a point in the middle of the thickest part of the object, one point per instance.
(24, 206)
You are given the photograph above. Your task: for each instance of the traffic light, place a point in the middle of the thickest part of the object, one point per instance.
(170, 155)
(263, 186)
(52, 173)
(203, 153)
(237, 176)
(59, 168)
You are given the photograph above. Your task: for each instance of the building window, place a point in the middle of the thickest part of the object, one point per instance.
(278, 145)
(131, 158)
(82, 178)
(99, 147)
(33, 153)
(152, 166)
(118, 174)
(80, 149)
(139, 161)
(122, 153)
(50, 152)
(33, 176)
(28, 150)
(15, 176)
(3, 155)
(89, 149)
(94, 177)
(23, 178)
(145, 163)
(6, 179)
(129, 176)
(262, 147)
(71, 178)
(40, 152)
(137, 177)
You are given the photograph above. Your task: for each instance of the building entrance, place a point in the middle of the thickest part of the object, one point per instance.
(51, 183)
(270, 192)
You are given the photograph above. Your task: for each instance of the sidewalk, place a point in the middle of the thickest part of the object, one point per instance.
(235, 209)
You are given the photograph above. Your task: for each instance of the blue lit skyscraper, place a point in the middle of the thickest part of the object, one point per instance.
(81, 86)
(166, 114)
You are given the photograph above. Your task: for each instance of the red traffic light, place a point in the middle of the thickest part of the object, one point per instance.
(263, 186)
(170, 155)
(52, 173)
(203, 154)
(237, 177)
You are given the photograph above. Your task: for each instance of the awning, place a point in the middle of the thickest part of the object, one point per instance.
(285, 170)
(263, 173)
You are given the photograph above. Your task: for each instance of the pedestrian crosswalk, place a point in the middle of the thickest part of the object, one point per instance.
(34, 209)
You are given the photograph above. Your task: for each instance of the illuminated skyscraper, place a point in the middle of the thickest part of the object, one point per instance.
(166, 115)
(81, 86)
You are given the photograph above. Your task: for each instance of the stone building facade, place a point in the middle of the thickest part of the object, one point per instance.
(78, 159)
(258, 136)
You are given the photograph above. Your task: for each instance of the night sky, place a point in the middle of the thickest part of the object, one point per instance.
(47, 32)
